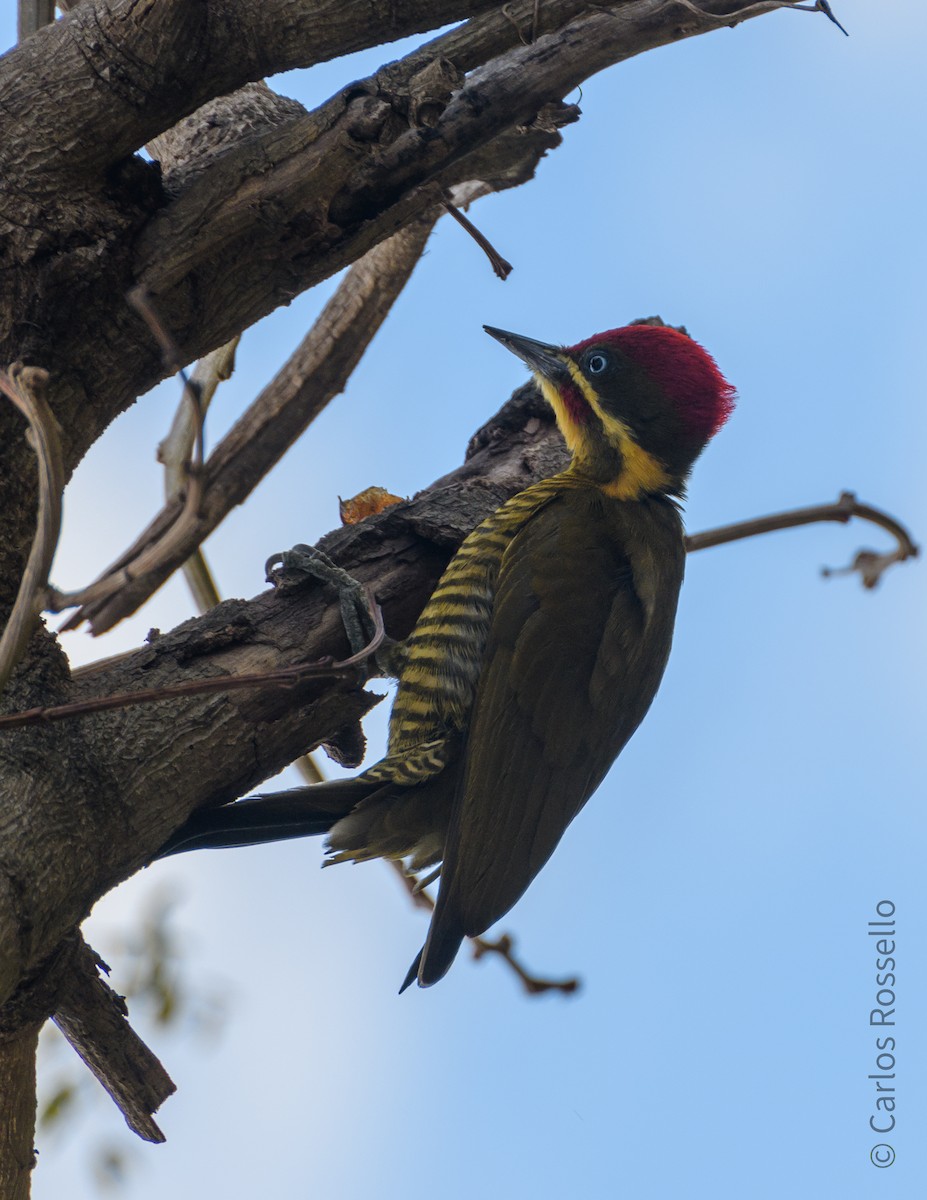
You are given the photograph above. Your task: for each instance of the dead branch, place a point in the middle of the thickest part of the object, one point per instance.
(314, 374)
(501, 266)
(26, 388)
(286, 677)
(176, 452)
(93, 1018)
(17, 1111)
(173, 58)
(868, 563)
(337, 181)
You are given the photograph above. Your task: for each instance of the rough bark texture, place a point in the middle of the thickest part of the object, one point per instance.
(17, 1111)
(253, 201)
(132, 776)
(82, 220)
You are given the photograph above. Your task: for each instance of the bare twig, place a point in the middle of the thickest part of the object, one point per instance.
(141, 301)
(504, 946)
(501, 266)
(284, 677)
(187, 505)
(753, 10)
(868, 563)
(176, 451)
(506, 11)
(314, 374)
(825, 8)
(25, 387)
(93, 1019)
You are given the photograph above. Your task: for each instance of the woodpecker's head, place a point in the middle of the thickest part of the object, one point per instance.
(636, 405)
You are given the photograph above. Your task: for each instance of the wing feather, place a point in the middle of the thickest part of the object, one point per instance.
(573, 660)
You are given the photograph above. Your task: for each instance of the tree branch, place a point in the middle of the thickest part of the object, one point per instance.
(285, 677)
(93, 1019)
(136, 70)
(353, 172)
(303, 201)
(17, 1111)
(25, 387)
(870, 565)
(314, 374)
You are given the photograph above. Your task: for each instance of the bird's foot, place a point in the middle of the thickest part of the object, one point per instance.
(290, 569)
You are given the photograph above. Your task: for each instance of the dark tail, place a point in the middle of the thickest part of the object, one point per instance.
(302, 812)
(434, 959)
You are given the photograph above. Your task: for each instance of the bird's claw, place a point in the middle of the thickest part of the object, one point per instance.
(291, 569)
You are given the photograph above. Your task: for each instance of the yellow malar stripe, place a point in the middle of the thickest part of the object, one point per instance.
(640, 471)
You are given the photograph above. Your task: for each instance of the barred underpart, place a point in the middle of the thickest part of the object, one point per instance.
(445, 651)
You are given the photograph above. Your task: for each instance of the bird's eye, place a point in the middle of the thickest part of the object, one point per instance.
(596, 364)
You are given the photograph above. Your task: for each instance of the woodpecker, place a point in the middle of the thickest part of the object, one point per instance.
(539, 652)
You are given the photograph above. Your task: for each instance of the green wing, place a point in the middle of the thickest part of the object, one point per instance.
(574, 658)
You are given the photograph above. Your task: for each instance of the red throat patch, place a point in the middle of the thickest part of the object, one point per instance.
(682, 370)
(574, 402)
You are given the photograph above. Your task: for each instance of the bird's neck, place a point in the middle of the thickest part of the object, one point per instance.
(620, 468)
(605, 452)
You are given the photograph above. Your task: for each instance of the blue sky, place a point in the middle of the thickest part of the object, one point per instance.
(766, 187)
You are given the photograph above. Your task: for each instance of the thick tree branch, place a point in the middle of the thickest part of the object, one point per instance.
(351, 173)
(869, 564)
(110, 76)
(271, 215)
(283, 677)
(17, 1111)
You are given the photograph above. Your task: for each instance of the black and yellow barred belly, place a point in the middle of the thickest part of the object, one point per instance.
(444, 653)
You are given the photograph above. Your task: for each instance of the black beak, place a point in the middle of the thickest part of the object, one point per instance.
(539, 356)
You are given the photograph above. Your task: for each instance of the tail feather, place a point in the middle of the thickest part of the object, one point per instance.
(301, 812)
(433, 961)
(441, 946)
(412, 973)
